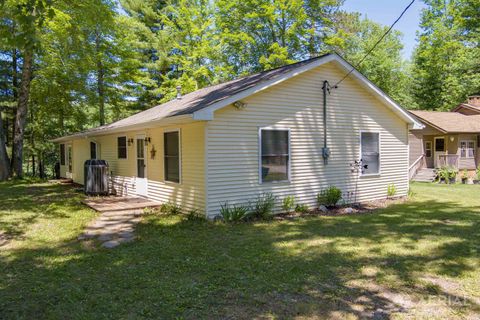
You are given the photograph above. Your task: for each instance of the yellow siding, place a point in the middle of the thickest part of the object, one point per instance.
(233, 147)
(190, 193)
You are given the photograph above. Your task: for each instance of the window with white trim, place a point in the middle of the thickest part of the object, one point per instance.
(370, 152)
(467, 149)
(428, 149)
(275, 155)
(172, 156)
(93, 150)
(122, 147)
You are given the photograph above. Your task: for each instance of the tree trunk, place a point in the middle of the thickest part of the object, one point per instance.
(4, 161)
(100, 81)
(21, 117)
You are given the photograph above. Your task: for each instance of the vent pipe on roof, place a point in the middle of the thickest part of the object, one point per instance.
(325, 149)
(179, 92)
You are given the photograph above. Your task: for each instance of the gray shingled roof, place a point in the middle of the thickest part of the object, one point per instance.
(453, 122)
(197, 100)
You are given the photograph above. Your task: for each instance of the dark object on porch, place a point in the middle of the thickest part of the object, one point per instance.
(96, 177)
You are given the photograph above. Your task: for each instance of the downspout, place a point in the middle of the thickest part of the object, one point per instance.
(325, 149)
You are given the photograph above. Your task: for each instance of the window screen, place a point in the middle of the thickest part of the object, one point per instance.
(62, 154)
(274, 155)
(428, 149)
(93, 150)
(122, 147)
(172, 156)
(370, 152)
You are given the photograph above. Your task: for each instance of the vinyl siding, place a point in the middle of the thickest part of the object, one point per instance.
(415, 146)
(233, 142)
(189, 193)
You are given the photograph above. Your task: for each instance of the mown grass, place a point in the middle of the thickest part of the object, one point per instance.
(418, 259)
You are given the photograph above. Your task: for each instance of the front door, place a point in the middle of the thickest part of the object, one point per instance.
(141, 180)
(440, 148)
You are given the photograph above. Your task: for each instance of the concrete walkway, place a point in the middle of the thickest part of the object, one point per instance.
(116, 224)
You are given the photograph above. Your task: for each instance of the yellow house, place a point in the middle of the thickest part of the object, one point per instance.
(288, 131)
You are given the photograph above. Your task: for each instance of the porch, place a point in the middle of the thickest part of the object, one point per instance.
(458, 151)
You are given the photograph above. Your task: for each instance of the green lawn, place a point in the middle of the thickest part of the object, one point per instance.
(419, 259)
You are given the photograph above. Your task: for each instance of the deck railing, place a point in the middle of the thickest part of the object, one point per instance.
(448, 160)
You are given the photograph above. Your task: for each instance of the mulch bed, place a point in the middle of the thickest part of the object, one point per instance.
(342, 210)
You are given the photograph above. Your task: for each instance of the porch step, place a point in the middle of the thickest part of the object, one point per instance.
(425, 175)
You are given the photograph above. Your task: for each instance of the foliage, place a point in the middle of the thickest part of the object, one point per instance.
(447, 59)
(194, 215)
(234, 213)
(288, 203)
(301, 208)
(464, 174)
(447, 172)
(329, 197)
(391, 190)
(170, 208)
(263, 206)
(478, 172)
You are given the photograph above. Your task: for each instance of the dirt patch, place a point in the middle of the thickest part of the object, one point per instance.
(351, 209)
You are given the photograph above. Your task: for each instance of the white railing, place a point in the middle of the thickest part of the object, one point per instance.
(448, 160)
(417, 165)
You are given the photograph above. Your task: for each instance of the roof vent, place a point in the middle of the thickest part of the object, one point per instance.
(179, 92)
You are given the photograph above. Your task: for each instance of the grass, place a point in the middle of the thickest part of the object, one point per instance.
(418, 259)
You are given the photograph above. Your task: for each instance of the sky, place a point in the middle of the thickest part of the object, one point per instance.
(386, 12)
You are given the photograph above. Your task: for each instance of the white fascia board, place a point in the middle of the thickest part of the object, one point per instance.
(208, 112)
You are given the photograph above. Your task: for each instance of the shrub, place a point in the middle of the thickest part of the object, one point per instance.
(288, 203)
(478, 172)
(233, 213)
(302, 208)
(329, 197)
(195, 215)
(263, 206)
(391, 190)
(170, 208)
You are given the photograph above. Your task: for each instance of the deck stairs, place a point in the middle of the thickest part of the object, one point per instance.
(425, 175)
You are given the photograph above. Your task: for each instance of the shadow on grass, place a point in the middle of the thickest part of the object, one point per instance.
(22, 203)
(311, 267)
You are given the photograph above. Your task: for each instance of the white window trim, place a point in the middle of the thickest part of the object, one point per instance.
(431, 149)
(466, 152)
(179, 157)
(289, 162)
(96, 149)
(379, 173)
(444, 144)
(126, 146)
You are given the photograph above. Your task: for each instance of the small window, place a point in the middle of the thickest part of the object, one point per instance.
(275, 159)
(122, 147)
(62, 154)
(370, 152)
(428, 149)
(172, 156)
(70, 160)
(93, 150)
(467, 149)
(440, 144)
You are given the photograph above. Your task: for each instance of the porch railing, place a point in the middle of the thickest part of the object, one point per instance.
(448, 160)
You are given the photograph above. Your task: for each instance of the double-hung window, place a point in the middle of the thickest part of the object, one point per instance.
(172, 156)
(370, 152)
(93, 150)
(275, 155)
(467, 149)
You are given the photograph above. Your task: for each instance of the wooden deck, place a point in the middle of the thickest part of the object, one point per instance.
(104, 204)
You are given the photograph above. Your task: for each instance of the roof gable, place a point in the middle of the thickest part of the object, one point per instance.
(449, 121)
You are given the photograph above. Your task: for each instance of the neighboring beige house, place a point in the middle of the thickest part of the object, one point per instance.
(260, 133)
(447, 139)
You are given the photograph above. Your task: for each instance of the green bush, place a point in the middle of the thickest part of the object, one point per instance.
(329, 197)
(170, 208)
(391, 190)
(302, 208)
(478, 172)
(447, 173)
(194, 215)
(288, 203)
(263, 206)
(233, 213)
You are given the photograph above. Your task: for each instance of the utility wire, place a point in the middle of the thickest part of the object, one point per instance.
(376, 44)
